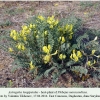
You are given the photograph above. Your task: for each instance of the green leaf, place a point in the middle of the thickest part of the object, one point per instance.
(55, 77)
(50, 40)
(38, 77)
(46, 73)
(70, 63)
(80, 69)
(63, 71)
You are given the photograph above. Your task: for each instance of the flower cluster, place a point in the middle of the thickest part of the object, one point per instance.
(20, 46)
(40, 30)
(52, 22)
(14, 34)
(62, 56)
(90, 63)
(47, 50)
(62, 39)
(67, 29)
(76, 55)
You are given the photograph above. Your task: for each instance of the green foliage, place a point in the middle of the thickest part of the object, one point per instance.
(86, 4)
(5, 23)
(48, 46)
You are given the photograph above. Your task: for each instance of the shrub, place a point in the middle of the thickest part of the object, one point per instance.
(46, 45)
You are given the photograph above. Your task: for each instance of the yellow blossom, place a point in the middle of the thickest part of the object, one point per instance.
(52, 21)
(79, 54)
(93, 51)
(62, 56)
(76, 55)
(62, 39)
(41, 18)
(20, 46)
(31, 66)
(15, 37)
(11, 50)
(51, 26)
(46, 49)
(45, 32)
(89, 63)
(23, 47)
(31, 26)
(14, 34)
(69, 28)
(24, 27)
(34, 26)
(47, 58)
(24, 38)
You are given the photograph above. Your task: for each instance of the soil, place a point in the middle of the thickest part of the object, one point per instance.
(14, 14)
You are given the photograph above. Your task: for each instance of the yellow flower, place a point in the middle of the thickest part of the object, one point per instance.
(76, 55)
(23, 47)
(31, 26)
(11, 50)
(24, 27)
(75, 58)
(41, 18)
(47, 58)
(56, 22)
(62, 39)
(79, 54)
(24, 38)
(51, 26)
(31, 66)
(46, 49)
(14, 34)
(74, 51)
(89, 63)
(45, 32)
(49, 47)
(93, 51)
(62, 56)
(69, 28)
(15, 37)
(52, 21)
(20, 46)
(34, 26)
